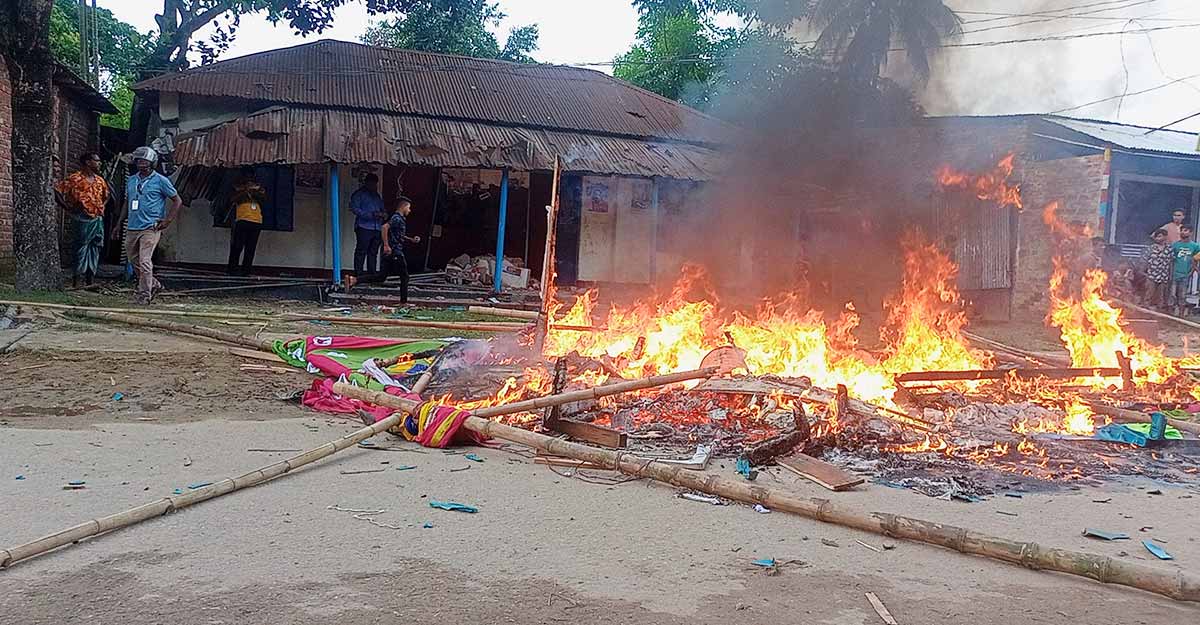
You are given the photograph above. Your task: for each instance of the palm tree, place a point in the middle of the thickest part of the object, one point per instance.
(859, 33)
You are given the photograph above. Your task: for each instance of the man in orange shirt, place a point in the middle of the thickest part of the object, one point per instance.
(85, 194)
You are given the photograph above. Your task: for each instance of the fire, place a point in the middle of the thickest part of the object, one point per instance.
(1078, 420)
(992, 186)
(784, 337)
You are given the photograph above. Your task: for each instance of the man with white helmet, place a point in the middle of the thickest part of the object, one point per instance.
(153, 205)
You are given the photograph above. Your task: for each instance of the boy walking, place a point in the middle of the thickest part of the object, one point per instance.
(395, 235)
(1184, 253)
(1157, 263)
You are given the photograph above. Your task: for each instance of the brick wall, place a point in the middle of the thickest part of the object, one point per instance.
(76, 130)
(6, 189)
(1075, 184)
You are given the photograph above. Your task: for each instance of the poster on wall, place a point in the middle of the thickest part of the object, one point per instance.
(597, 195)
(639, 194)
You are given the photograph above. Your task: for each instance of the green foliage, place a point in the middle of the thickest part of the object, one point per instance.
(123, 50)
(859, 33)
(454, 27)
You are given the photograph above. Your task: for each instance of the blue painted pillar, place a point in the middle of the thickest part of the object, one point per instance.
(500, 230)
(335, 221)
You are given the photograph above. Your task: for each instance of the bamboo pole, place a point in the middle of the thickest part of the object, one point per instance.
(504, 312)
(491, 326)
(1159, 315)
(100, 525)
(1000, 374)
(262, 345)
(1038, 357)
(1174, 584)
(1122, 415)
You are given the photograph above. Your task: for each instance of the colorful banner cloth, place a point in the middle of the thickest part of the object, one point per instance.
(431, 425)
(344, 356)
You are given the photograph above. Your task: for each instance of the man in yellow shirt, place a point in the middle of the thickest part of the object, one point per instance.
(246, 212)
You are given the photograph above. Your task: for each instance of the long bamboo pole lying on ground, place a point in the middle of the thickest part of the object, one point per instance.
(1122, 415)
(1055, 360)
(153, 509)
(1000, 374)
(1175, 584)
(504, 312)
(235, 338)
(489, 326)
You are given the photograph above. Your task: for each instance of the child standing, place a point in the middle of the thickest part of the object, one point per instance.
(1156, 261)
(1184, 253)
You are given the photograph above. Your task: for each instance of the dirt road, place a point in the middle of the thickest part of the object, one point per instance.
(543, 548)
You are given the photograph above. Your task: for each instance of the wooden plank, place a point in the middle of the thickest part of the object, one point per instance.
(254, 354)
(999, 374)
(605, 437)
(881, 609)
(819, 471)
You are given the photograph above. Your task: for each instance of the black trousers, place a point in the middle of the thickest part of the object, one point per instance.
(394, 265)
(366, 250)
(243, 241)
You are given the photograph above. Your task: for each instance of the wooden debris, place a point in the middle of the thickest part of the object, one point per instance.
(778, 445)
(827, 475)
(595, 434)
(1127, 383)
(1059, 373)
(881, 609)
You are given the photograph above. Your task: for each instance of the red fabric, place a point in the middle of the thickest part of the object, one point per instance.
(315, 346)
(320, 397)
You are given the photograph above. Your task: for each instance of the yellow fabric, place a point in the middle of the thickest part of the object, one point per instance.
(249, 211)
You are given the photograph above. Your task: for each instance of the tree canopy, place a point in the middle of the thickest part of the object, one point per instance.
(123, 51)
(455, 27)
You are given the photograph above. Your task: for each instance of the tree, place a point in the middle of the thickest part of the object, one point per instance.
(123, 52)
(454, 27)
(860, 33)
(25, 45)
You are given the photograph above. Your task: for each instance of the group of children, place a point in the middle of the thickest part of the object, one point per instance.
(1166, 268)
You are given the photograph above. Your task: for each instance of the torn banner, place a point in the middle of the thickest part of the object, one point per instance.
(344, 356)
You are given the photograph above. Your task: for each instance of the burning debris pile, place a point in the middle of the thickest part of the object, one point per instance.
(920, 408)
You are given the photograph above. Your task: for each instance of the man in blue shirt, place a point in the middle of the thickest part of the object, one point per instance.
(367, 206)
(152, 204)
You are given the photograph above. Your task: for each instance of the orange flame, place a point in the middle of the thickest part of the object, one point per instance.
(992, 186)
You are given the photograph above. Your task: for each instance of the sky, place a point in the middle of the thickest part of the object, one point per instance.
(1020, 78)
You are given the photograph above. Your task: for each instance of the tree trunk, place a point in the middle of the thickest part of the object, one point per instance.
(31, 71)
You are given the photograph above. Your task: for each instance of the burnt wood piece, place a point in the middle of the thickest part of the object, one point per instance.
(1126, 372)
(780, 444)
(595, 434)
(819, 471)
(1061, 373)
(553, 413)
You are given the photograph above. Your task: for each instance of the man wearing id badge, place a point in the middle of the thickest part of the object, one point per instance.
(153, 205)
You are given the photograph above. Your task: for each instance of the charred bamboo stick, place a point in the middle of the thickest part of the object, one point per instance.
(1123, 415)
(262, 345)
(504, 312)
(1059, 373)
(492, 326)
(1037, 357)
(1175, 584)
(100, 525)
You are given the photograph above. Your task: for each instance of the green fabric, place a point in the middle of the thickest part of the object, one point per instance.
(293, 352)
(1144, 430)
(89, 242)
(1184, 252)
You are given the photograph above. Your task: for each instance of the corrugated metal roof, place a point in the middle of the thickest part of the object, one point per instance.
(1134, 137)
(350, 75)
(287, 135)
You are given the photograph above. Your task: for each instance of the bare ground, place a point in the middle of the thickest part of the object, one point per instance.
(544, 548)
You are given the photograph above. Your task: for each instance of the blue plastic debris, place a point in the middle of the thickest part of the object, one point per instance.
(1095, 533)
(743, 467)
(76, 483)
(20, 477)
(406, 467)
(453, 506)
(177, 491)
(427, 525)
(198, 485)
(118, 396)
(1158, 552)
(765, 562)
(473, 458)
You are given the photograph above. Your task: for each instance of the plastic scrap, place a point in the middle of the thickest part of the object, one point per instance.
(199, 485)
(1158, 552)
(716, 501)
(406, 467)
(765, 562)
(76, 485)
(21, 477)
(453, 506)
(118, 396)
(473, 458)
(1095, 533)
(743, 467)
(427, 525)
(759, 508)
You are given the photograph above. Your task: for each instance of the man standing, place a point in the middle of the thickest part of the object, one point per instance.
(367, 206)
(153, 205)
(1184, 252)
(1173, 227)
(86, 194)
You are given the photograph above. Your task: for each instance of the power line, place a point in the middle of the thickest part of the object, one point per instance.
(1178, 121)
(1054, 18)
(1006, 16)
(1133, 93)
